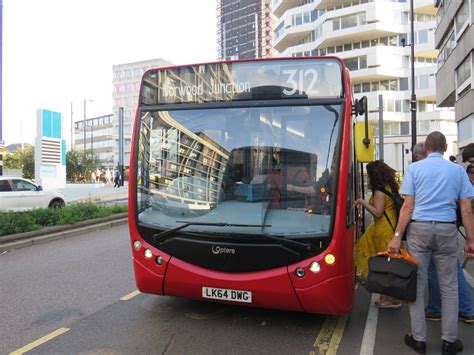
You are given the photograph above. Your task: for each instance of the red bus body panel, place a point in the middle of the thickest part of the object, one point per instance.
(270, 289)
(329, 291)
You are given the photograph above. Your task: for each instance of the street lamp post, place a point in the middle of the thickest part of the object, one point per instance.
(72, 129)
(85, 126)
(413, 95)
(92, 137)
(85, 106)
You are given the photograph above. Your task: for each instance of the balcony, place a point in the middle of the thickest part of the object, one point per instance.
(293, 35)
(280, 6)
(424, 7)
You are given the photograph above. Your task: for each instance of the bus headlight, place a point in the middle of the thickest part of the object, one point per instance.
(137, 245)
(315, 267)
(148, 254)
(330, 259)
(159, 260)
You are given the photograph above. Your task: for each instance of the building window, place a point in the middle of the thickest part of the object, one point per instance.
(461, 18)
(356, 63)
(349, 21)
(404, 128)
(463, 77)
(465, 128)
(446, 48)
(423, 127)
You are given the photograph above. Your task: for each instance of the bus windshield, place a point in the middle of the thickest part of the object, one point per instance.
(272, 167)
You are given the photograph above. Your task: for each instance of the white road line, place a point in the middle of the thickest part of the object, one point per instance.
(370, 330)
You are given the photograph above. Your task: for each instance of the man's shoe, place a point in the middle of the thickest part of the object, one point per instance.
(418, 346)
(465, 318)
(452, 348)
(432, 316)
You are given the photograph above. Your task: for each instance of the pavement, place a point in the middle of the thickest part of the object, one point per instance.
(83, 192)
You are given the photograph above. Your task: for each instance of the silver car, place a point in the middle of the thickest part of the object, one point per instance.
(18, 194)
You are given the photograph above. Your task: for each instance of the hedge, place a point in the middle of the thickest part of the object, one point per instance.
(20, 222)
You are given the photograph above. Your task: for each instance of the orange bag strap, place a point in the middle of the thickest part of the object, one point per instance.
(403, 255)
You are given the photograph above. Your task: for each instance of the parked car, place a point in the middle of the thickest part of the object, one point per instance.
(18, 194)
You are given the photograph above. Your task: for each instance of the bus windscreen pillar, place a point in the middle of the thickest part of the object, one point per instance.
(1, 158)
(120, 146)
(50, 150)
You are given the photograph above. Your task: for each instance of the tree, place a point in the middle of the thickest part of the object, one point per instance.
(23, 159)
(80, 164)
(28, 162)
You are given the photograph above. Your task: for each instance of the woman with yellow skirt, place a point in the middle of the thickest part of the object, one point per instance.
(380, 231)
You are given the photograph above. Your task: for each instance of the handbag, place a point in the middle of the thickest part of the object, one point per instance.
(393, 275)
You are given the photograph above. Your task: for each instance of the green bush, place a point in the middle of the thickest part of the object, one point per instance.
(19, 222)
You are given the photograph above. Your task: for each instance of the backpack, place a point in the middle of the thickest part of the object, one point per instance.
(397, 204)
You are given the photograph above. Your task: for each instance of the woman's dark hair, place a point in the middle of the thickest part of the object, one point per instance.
(468, 152)
(381, 175)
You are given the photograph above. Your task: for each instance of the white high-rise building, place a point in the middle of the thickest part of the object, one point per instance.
(369, 36)
(126, 88)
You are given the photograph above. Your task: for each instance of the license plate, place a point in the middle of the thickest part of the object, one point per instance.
(227, 295)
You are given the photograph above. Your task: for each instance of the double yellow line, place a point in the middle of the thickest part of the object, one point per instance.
(330, 336)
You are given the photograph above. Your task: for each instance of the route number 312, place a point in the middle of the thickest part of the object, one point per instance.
(296, 79)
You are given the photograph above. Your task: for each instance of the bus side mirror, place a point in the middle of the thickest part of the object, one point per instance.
(363, 134)
(364, 152)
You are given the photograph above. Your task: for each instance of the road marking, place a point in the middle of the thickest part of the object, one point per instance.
(130, 296)
(370, 330)
(330, 336)
(40, 341)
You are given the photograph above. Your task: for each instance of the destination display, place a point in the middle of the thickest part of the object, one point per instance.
(237, 81)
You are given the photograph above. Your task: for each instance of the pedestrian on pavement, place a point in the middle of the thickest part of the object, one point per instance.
(378, 234)
(419, 151)
(117, 178)
(433, 308)
(432, 187)
(468, 154)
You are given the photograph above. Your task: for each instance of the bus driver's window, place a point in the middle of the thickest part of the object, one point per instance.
(292, 185)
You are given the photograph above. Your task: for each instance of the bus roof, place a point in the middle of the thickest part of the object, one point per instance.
(269, 79)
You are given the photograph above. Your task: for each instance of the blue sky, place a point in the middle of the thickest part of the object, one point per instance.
(60, 51)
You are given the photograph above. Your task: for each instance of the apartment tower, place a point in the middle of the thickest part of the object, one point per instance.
(373, 38)
(454, 37)
(244, 29)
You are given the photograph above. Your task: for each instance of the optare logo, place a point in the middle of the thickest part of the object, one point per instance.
(221, 250)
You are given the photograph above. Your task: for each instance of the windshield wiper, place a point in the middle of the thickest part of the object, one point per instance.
(161, 237)
(304, 246)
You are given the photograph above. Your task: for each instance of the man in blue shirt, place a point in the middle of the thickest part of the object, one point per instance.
(433, 308)
(432, 187)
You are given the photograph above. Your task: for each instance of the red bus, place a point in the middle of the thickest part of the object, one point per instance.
(242, 181)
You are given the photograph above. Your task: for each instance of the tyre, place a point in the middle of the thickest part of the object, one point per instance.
(58, 203)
